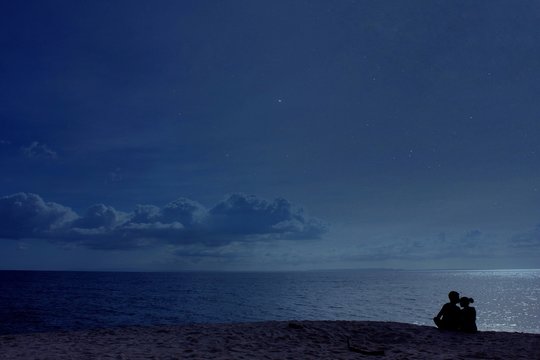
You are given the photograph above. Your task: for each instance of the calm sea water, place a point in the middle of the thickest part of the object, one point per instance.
(506, 300)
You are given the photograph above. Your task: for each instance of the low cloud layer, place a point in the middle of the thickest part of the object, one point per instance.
(471, 244)
(238, 218)
(527, 240)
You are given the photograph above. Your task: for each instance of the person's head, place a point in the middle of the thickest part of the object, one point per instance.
(465, 301)
(453, 296)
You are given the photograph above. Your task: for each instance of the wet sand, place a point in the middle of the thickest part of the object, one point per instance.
(272, 340)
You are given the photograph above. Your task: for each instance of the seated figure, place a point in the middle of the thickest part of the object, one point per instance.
(467, 315)
(449, 316)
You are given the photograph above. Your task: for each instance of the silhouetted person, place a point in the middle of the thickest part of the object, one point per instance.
(449, 316)
(468, 315)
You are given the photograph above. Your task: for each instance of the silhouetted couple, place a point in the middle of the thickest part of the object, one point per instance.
(451, 317)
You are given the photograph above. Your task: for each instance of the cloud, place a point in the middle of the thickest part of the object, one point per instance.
(28, 216)
(527, 240)
(241, 215)
(188, 212)
(238, 218)
(39, 151)
(469, 244)
(472, 240)
(99, 216)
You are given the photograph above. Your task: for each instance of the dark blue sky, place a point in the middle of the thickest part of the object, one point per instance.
(407, 131)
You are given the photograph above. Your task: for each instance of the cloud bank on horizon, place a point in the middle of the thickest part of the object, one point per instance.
(238, 227)
(238, 217)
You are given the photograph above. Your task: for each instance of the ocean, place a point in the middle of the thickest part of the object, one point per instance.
(36, 301)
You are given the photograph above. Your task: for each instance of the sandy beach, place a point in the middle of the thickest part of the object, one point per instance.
(272, 340)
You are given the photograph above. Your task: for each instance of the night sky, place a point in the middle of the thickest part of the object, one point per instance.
(269, 135)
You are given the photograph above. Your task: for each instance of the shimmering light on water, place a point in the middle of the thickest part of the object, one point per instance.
(505, 299)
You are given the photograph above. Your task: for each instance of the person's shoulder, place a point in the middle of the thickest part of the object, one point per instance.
(449, 306)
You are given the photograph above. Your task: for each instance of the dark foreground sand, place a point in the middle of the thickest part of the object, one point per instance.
(272, 340)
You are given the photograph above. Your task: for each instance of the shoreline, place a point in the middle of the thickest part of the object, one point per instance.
(272, 340)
